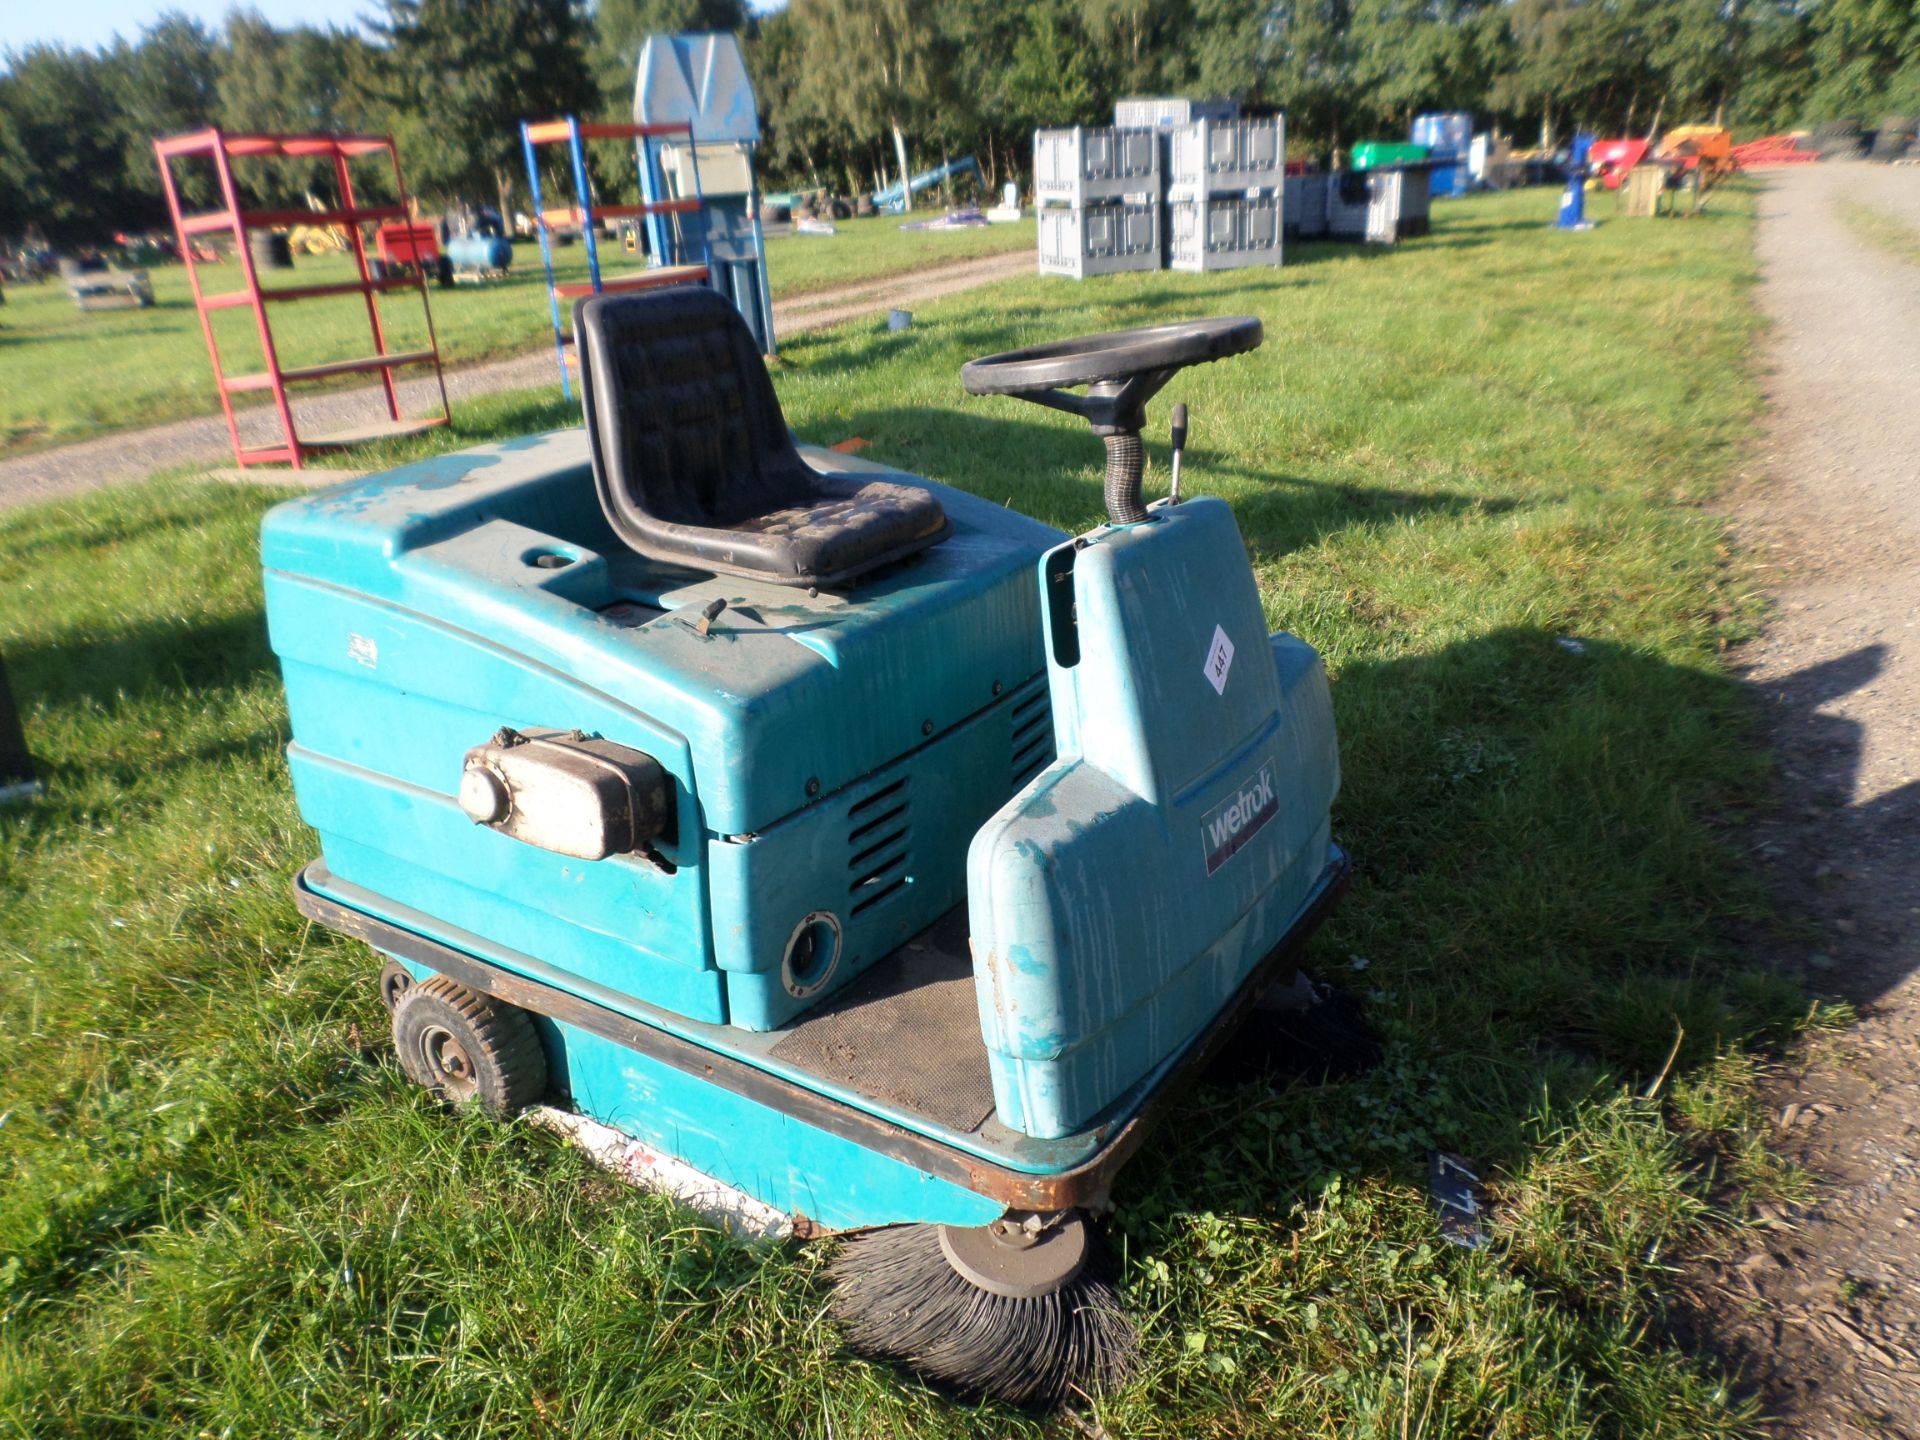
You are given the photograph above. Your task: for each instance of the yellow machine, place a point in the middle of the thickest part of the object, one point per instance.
(1707, 148)
(317, 239)
(1696, 158)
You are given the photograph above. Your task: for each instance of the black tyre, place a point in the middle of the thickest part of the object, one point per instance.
(468, 1046)
(395, 981)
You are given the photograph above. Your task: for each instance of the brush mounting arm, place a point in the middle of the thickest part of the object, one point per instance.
(1121, 371)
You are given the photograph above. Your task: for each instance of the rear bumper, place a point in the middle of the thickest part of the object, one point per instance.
(1085, 1170)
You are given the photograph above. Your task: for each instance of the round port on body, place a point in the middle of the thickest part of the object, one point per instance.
(484, 796)
(813, 953)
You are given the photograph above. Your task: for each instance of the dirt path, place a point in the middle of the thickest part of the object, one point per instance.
(1822, 1311)
(134, 454)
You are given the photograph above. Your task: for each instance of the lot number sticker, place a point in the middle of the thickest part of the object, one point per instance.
(1219, 661)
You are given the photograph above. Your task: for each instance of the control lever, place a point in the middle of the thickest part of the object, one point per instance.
(1179, 444)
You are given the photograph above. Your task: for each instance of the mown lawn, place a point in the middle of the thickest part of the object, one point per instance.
(65, 375)
(1476, 472)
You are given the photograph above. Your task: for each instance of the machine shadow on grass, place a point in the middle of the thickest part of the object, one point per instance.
(1540, 793)
(149, 665)
(1053, 470)
(1831, 746)
(144, 658)
(1549, 886)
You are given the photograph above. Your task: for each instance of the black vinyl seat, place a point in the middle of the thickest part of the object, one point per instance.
(694, 462)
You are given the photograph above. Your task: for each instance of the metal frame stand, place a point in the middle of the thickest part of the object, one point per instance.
(671, 265)
(222, 149)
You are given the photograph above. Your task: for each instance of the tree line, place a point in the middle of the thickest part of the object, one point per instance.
(845, 85)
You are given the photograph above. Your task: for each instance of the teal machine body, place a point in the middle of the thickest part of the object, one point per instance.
(1196, 766)
(949, 873)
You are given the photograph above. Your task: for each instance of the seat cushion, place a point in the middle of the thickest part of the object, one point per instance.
(852, 527)
(693, 460)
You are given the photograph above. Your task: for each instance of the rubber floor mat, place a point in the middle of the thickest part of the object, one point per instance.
(906, 1033)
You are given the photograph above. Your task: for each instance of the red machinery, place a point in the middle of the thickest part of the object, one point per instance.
(403, 246)
(1772, 150)
(350, 215)
(1611, 159)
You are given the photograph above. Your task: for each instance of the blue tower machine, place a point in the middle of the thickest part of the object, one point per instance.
(701, 81)
(1573, 204)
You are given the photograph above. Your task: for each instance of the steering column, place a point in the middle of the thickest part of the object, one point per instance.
(1121, 370)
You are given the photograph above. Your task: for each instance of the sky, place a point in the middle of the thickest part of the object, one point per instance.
(92, 23)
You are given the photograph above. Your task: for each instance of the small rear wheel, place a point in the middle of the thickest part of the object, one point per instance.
(395, 981)
(469, 1047)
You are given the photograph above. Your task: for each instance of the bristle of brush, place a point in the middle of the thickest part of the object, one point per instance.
(899, 1299)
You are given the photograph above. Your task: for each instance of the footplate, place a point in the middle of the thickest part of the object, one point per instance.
(1083, 1165)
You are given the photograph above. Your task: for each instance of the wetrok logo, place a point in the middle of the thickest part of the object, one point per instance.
(1237, 819)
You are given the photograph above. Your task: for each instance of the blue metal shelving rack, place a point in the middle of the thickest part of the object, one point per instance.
(678, 225)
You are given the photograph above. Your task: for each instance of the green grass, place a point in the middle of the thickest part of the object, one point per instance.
(1887, 233)
(223, 1211)
(65, 375)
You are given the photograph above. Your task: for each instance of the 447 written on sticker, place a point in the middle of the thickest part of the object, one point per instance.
(1219, 661)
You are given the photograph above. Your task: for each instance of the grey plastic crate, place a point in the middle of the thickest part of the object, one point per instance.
(1099, 239)
(1415, 204)
(1305, 213)
(1350, 205)
(1225, 232)
(1378, 206)
(1158, 112)
(1079, 166)
(1213, 157)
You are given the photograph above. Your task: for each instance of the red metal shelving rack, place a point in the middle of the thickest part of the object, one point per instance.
(349, 215)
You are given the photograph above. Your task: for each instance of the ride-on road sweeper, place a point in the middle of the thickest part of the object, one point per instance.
(870, 847)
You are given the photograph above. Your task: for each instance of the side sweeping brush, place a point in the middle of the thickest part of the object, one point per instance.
(1024, 1310)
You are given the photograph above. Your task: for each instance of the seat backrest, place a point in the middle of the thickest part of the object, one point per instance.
(681, 415)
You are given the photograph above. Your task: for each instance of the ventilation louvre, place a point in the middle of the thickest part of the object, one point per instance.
(1032, 743)
(879, 832)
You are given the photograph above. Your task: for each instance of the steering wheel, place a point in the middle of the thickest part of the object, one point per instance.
(1122, 371)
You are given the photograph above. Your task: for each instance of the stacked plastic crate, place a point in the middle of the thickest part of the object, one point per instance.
(1226, 183)
(1163, 112)
(1304, 209)
(1098, 193)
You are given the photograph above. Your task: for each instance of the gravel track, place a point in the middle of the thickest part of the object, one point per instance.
(1822, 1310)
(135, 454)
